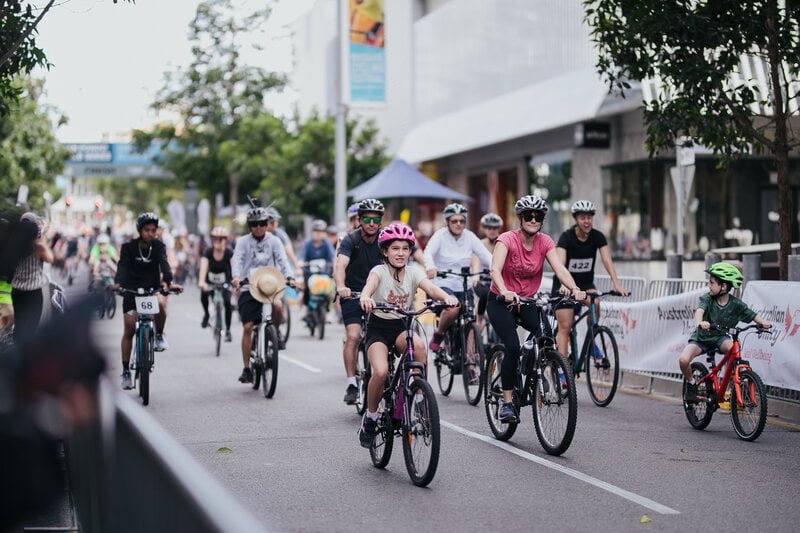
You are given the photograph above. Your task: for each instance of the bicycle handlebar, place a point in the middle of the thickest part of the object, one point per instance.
(146, 292)
(430, 305)
(465, 273)
(737, 330)
(541, 299)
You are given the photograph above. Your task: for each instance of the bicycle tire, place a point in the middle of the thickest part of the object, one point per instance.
(443, 360)
(255, 360)
(493, 395)
(101, 308)
(602, 373)
(363, 374)
(111, 304)
(749, 417)
(321, 311)
(270, 364)
(422, 434)
(286, 324)
(217, 327)
(555, 411)
(473, 363)
(380, 451)
(143, 365)
(698, 414)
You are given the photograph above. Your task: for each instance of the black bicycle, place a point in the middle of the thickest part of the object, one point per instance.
(462, 350)
(408, 408)
(363, 371)
(264, 346)
(320, 291)
(544, 381)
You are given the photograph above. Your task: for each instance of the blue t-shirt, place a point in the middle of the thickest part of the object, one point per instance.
(309, 252)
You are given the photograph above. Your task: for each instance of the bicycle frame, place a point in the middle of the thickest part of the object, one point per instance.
(525, 366)
(733, 363)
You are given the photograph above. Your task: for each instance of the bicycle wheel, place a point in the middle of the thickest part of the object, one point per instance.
(555, 407)
(749, 416)
(493, 396)
(321, 311)
(473, 363)
(111, 304)
(256, 359)
(217, 327)
(602, 366)
(286, 323)
(270, 367)
(699, 413)
(421, 436)
(101, 306)
(362, 378)
(143, 364)
(380, 451)
(443, 360)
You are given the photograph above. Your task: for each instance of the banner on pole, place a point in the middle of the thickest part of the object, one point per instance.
(367, 53)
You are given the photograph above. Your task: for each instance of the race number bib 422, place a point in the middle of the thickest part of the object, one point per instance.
(147, 305)
(216, 277)
(580, 265)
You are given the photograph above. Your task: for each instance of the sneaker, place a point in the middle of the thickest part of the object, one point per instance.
(690, 395)
(506, 413)
(204, 324)
(161, 342)
(228, 337)
(435, 344)
(247, 376)
(351, 395)
(127, 382)
(367, 431)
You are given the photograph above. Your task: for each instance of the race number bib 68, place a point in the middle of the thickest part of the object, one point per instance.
(147, 305)
(580, 265)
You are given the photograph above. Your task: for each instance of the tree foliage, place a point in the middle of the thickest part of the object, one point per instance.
(705, 58)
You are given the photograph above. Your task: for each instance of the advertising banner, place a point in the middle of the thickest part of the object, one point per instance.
(367, 53)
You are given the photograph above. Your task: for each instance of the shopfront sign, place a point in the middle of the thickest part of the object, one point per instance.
(593, 135)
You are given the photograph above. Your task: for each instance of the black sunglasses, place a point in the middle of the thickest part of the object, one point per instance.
(218, 238)
(261, 223)
(527, 216)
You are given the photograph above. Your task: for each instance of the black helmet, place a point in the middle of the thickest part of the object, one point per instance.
(146, 218)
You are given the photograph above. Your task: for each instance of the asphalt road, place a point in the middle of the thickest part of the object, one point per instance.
(295, 462)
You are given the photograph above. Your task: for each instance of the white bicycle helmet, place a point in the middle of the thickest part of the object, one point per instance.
(530, 203)
(370, 205)
(491, 220)
(257, 214)
(454, 209)
(583, 206)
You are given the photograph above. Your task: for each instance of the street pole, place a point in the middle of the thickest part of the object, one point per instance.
(340, 174)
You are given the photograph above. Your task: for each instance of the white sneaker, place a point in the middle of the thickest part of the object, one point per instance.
(161, 342)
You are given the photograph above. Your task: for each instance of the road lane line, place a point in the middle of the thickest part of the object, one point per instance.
(635, 498)
(300, 364)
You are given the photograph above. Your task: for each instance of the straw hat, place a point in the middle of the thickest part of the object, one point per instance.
(267, 284)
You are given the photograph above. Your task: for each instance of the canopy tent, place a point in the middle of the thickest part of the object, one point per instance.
(401, 180)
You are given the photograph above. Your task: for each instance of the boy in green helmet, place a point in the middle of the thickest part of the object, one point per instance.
(716, 307)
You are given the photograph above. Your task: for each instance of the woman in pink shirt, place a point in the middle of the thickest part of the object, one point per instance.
(517, 264)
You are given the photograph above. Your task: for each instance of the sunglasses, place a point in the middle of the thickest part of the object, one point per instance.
(458, 221)
(261, 223)
(374, 220)
(527, 216)
(218, 238)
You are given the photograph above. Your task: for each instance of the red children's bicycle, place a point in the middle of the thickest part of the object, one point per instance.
(748, 395)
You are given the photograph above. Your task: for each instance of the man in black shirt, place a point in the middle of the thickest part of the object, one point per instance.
(357, 254)
(142, 264)
(577, 249)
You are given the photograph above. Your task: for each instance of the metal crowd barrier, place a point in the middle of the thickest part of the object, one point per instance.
(636, 286)
(129, 475)
(667, 287)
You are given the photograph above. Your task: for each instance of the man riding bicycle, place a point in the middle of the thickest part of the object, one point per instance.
(358, 253)
(216, 264)
(577, 249)
(315, 248)
(142, 265)
(257, 249)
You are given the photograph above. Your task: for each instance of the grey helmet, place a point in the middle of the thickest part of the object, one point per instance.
(583, 206)
(530, 203)
(454, 209)
(272, 214)
(257, 214)
(491, 220)
(318, 225)
(370, 205)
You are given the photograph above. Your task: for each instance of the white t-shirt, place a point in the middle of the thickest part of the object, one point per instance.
(391, 292)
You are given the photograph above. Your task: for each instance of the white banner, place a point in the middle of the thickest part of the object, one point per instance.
(652, 334)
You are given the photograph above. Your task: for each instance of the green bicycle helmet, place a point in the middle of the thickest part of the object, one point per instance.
(726, 272)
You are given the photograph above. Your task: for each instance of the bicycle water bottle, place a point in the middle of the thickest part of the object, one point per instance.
(597, 353)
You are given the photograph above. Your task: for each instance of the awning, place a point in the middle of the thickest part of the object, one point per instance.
(561, 101)
(401, 180)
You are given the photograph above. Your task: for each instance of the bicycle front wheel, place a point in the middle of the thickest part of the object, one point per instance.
(473, 363)
(602, 366)
(443, 360)
(493, 396)
(256, 358)
(555, 404)
(749, 415)
(362, 378)
(380, 451)
(217, 328)
(321, 311)
(270, 357)
(421, 434)
(144, 363)
(111, 304)
(699, 413)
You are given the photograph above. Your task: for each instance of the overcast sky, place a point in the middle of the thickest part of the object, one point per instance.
(109, 59)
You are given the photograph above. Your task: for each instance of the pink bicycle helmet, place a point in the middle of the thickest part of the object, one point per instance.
(395, 231)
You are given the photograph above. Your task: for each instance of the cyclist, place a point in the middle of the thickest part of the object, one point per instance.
(517, 264)
(273, 218)
(358, 253)
(103, 243)
(317, 247)
(577, 249)
(490, 224)
(391, 283)
(256, 249)
(352, 215)
(142, 264)
(719, 306)
(451, 248)
(216, 263)
(103, 271)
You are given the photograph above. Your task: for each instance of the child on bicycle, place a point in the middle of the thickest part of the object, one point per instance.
(104, 271)
(716, 307)
(394, 284)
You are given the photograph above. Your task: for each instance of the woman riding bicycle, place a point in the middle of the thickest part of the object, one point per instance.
(215, 266)
(517, 264)
(491, 223)
(394, 284)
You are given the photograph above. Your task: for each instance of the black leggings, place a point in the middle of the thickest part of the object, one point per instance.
(226, 299)
(504, 323)
(27, 313)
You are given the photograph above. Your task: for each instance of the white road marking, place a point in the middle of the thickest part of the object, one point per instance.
(301, 364)
(635, 498)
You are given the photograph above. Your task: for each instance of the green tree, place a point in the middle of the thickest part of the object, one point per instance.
(694, 50)
(29, 151)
